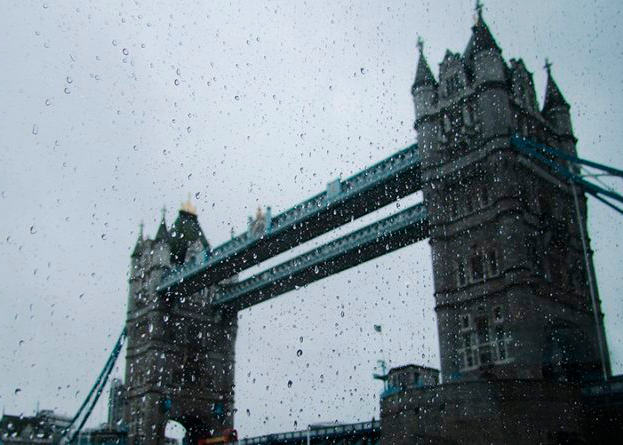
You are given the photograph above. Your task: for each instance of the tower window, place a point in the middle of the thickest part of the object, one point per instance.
(493, 262)
(469, 204)
(461, 277)
(477, 266)
(465, 323)
(453, 85)
(484, 194)
(497, 313)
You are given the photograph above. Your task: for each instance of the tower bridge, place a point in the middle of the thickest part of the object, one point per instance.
(521, 337)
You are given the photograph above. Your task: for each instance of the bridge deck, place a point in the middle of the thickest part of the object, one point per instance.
(371, 241)
(343, 201)
(364, 433)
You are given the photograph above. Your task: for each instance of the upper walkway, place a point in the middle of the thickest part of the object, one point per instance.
(343, 201)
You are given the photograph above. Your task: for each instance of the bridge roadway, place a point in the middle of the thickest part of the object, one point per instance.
(364, 433)
(343, 201)
(376, 239)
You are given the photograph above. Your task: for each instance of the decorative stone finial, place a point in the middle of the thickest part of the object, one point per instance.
(478, 8)
(420, 44)
(548, 66)
(188, 206)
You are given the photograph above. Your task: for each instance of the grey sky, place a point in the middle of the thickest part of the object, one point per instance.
(112, 109)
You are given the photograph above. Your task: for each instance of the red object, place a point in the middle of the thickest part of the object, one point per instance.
(228, 436)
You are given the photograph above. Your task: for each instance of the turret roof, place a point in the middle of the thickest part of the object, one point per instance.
(423, 73)
(184, 232)
(481, 40)
(553, 96)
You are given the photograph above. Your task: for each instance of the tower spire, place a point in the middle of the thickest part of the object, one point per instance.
(423, 73)
(478, 8)
(553, 96)
(163, 233)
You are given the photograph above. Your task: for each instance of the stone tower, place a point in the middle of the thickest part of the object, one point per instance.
(512, 289)
(519, 321)
(180, 356)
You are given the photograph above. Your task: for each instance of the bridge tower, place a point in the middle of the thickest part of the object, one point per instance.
(517, 323)
(511, 285)
(180, 356)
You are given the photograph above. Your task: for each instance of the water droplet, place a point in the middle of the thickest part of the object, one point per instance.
(237, 97)
(125, 51)
(197, 195)
(176, 82)
(69, 79)
(33, 230)
(66, 90)
(103, 236)
(35, 129)
(18, 390)
(299, 352)
(289, 383)
(114, 43)
(48, 102)
(363, 70)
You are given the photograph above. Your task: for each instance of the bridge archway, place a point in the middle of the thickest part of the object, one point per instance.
(187, 430)
(175, 430)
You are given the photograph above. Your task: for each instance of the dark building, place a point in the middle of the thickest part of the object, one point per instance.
(180, 351)
(519, 318)
(43, 428)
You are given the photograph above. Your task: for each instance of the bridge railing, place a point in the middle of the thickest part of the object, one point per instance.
(337, 191)
(323, 253)
(325, 432)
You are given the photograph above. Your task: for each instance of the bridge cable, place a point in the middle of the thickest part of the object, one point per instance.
(566, 156)
(528, 147)
(96, 390)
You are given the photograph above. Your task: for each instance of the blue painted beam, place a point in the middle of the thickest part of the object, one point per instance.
(372, 241)
(342, 202)
(346, 434)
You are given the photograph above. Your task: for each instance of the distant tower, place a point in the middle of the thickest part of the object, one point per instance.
(116, 404)
(511, 288)
(180, 359)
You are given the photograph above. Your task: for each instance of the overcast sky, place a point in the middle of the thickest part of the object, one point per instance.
(112, 109)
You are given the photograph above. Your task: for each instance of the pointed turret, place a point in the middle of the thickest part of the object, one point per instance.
(423, 74)
(163, 233)
(424, 89)
(185, 232)
(556, 109)
(138, 248)
(481, 39)
(483, 57)
(553, 96)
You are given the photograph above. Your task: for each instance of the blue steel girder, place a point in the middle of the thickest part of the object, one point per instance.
(343, 201)
(368, 433)
(371, 241)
